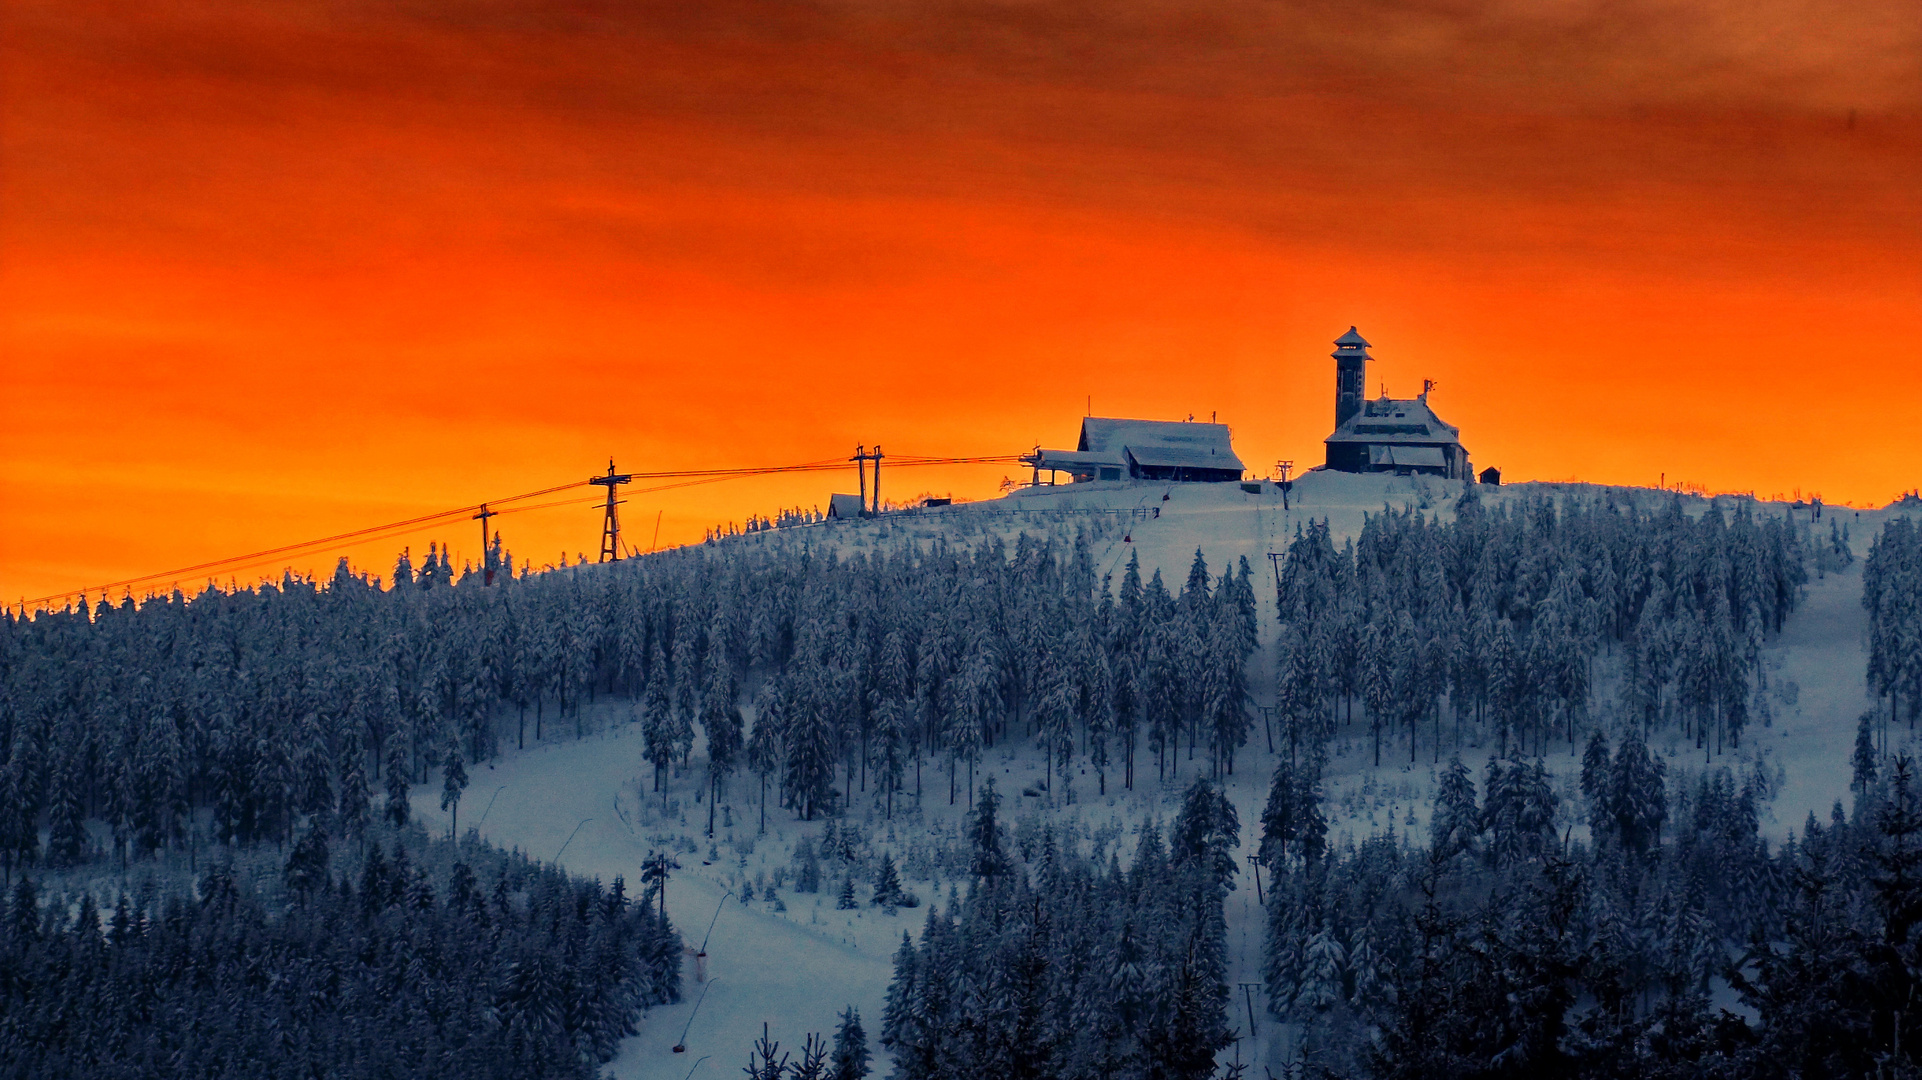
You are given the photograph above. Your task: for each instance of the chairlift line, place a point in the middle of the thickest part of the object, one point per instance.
(496, 507)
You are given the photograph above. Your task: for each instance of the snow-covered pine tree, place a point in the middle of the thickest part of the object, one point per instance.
(850, 1048)
(984, 835)
(453, 784)
(397, 809)
(887, 885)
(1863, 761)
(766, 751)
(809, 775)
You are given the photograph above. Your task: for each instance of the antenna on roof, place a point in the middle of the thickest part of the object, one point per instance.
(1426, 386)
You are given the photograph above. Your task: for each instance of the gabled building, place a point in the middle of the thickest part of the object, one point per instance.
(1398, 435)
(845, 508)
(1115, 449)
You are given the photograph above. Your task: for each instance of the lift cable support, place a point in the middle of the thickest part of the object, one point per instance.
(1275, 559)
(862, 455)
(611, 524)
(487, 562)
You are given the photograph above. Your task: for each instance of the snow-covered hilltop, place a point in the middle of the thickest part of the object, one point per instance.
(1648, 695)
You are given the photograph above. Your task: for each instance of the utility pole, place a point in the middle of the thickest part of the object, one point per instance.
(1284, 466)
(611, 525)
(876, 458)
(487, 567)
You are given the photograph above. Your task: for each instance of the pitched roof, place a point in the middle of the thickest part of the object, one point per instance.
(1184, 457)
(1070, 460)
(1428, 456)
(1388, 421)
(1167, 442)
(1351, 338)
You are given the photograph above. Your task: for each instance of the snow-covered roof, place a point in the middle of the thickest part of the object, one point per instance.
(1071, 460)
(1160, 442)
(1427, 456)
(1184, 457)
(1391, 421)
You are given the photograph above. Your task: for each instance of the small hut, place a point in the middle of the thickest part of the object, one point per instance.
(845, 508)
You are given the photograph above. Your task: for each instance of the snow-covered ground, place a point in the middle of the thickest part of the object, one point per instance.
(589, 803)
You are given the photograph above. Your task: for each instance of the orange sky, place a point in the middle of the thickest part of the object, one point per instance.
(270, 271)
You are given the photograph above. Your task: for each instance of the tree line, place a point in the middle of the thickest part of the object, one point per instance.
(399, 961)
(236, 715)
(1056, 966)
(1501, 948)
(1503, 614)
(1892, 593)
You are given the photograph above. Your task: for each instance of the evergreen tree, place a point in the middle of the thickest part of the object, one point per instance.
(887, 885)
(809, 778)
(1205, 830)
(850, 1048)
(453, 783)
(984, 835)
(1279, 825)
(723, 727)
(1456, 823)
(397, 808)
(1638, 793)
(1863, 761)
(67, 811)
(307, 864)
(813, 1063)
(657, 724)
(356, 802)
(1596, 786)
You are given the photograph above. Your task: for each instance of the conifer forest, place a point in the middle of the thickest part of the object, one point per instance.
(222, 857)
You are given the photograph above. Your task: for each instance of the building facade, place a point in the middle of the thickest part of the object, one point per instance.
(1116, 449)
(1384, 434)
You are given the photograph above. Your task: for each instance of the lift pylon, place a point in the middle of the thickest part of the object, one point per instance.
(611, 524)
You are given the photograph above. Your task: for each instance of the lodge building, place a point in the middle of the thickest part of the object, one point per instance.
(1116, 449)
(1384, 434)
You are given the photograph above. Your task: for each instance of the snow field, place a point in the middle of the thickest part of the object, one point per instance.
(590, 803)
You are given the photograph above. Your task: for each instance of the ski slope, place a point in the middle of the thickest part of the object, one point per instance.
(589, 804)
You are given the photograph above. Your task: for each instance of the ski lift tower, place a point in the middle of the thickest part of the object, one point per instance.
(611, 524)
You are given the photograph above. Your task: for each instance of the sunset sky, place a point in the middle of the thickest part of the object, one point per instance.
(272, 271)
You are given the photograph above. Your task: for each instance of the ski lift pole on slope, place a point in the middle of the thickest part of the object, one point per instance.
(570, 837)
(681, 1047)
(700, 957)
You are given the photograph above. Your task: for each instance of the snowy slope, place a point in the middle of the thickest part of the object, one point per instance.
(796, 970)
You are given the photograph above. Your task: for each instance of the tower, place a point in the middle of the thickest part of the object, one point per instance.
(611, 522)
(1351, 375)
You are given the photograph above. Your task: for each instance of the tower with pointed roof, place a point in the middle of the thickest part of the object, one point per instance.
(1385, 434)
(1351, 375)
